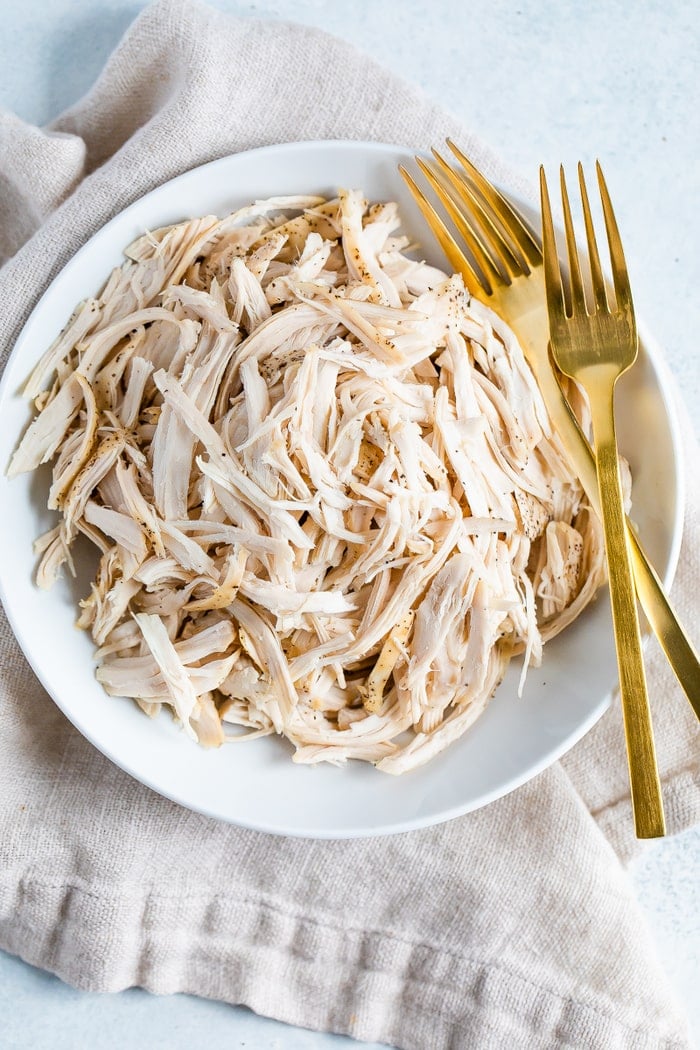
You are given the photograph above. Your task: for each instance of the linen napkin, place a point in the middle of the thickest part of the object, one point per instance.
(512, 926)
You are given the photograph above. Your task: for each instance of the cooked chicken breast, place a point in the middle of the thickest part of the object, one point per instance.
(323, 489)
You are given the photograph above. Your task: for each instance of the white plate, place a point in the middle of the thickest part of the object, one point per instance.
(256, 784)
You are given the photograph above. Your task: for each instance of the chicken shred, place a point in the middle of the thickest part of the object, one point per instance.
(325, 493)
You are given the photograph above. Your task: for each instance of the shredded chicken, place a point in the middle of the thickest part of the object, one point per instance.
(324, 490)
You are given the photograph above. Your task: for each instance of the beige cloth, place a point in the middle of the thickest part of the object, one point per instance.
(511, 927)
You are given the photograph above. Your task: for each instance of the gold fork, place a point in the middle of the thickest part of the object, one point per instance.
(504, 270)
(595, 343)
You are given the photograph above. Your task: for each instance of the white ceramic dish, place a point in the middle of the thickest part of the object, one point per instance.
(256, 784)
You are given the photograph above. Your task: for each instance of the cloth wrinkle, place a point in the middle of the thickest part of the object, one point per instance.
(366, 935)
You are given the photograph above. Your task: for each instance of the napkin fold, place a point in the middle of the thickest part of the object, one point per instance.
(512, 926)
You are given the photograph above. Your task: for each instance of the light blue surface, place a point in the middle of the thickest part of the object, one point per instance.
(540, 80)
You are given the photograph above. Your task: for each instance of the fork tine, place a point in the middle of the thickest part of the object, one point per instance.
(524, 237)
(552, 272)
(578, 298)
(478, 248)
(617, 256)
(597, 279)
(495, 243)
(456, 256)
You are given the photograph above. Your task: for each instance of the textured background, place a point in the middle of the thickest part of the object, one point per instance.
(541, 81)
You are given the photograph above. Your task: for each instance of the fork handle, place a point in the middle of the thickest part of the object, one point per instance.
(644, 777)
(673, 639)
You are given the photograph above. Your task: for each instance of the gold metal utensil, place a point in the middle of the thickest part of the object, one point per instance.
(594, 342)
(502, 266)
